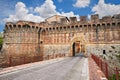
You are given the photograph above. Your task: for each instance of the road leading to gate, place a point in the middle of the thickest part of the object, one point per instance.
(72, 68)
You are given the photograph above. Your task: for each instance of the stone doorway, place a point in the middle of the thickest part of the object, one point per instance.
(78, 45)
(78, 48)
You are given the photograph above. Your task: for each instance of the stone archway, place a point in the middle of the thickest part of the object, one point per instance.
(82, 41)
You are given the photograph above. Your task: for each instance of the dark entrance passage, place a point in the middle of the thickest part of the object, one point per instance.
(73, 49)
(76, 48)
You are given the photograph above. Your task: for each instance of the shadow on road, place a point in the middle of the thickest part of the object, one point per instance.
(79, 55)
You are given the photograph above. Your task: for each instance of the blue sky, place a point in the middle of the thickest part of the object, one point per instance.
(38, 10)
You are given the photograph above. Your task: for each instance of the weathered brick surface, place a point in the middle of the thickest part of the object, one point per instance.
(30, 38)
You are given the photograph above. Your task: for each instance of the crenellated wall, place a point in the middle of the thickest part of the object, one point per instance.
(53, 38)
(21, 38)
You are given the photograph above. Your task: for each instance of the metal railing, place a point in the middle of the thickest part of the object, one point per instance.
(112, 73)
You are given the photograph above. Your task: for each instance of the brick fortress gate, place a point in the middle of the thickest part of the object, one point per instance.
(59, 34)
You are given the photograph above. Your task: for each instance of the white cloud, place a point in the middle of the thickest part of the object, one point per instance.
(104, 9)
(46, 10)
(70, 14)
(81, 3)
(21, 13)
(89, 16)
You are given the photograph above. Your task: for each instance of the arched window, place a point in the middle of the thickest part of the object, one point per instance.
(89, 27)
(6, 26)
(72, 27)
(33, 27)
(56, 28)
(24, 26)
(76, 26)
(53, 28)
(80, 26)
(64, 27)
(103, 26)
(10, 26)
(118, 24)
(14, 26)
(108, 26)
(19, 26)
(36, 27)
(60, 28)
(68, 27)
(113, 24)
(49, 28)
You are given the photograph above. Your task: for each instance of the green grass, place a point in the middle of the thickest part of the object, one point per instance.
(113, 77)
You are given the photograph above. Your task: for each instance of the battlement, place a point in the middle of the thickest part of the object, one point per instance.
(57, 33)
(57, 20)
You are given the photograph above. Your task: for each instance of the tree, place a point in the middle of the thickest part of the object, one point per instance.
(1, 42)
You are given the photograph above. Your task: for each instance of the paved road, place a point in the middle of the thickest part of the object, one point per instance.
(72, 68)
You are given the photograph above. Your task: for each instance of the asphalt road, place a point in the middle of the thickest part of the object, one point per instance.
(72, 68)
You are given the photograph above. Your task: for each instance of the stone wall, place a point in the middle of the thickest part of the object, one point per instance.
(56, 49)
(25, 37)
(21, 39)
(112, 51)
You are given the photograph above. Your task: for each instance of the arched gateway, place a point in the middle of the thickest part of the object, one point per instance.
(59, 35)
(78, 45)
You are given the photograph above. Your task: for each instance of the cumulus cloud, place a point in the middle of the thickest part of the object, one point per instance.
(81, 3)
(21, 13)
(46, 10)
(104, 9)
(70, 14)
(89, 16)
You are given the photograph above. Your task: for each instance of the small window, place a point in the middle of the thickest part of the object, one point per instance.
(10, 26)
(41, 42)
(49, 28)
(19, 26)
(104, 52)
(6, 26)
(53, 28)
(113, 24)
(33, 26)
(85, 25)
(68, 27)
(80, 25)
(60, 28)
(72, 27)
(36, 27)
(14, 25)
(24, 26)
(76, 26)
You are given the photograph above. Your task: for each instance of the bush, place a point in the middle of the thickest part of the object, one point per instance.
(1, 42)
(113, 77)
